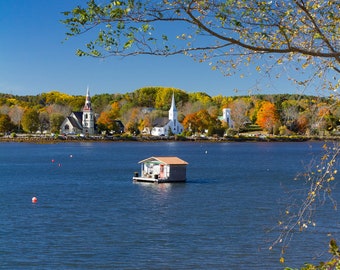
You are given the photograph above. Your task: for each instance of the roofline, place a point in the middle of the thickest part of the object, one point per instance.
(176, 161)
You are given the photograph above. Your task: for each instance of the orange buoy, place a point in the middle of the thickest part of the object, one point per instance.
(34, 200)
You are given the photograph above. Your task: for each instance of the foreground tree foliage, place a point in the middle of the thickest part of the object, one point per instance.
(332, 264)
(295, 38)
(225, 33)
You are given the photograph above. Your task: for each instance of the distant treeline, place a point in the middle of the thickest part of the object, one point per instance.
(283, 114)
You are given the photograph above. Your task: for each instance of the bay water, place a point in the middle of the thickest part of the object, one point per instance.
(91, 215)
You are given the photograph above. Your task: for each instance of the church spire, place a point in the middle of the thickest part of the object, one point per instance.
(88, 115)
(173, 105)
(173, 109)
(87, 106)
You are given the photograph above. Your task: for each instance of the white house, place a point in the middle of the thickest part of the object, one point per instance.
(162, 126)
(80, 122)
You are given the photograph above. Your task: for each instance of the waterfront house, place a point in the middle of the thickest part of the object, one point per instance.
(162, 170)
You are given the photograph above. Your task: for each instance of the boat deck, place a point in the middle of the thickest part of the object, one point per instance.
(154, 180)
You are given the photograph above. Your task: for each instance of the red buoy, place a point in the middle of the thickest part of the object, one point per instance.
(34, 200)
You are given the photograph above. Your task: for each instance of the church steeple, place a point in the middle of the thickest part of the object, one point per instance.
(88, 115)
(173, 109)
(87, 106)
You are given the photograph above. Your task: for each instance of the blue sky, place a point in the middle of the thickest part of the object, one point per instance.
(34, 59)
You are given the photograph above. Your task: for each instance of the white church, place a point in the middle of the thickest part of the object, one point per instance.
(163, 126)
(80, 122)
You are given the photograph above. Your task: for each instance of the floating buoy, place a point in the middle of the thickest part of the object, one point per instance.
(52, 160)
(71, 156)
(34, 200)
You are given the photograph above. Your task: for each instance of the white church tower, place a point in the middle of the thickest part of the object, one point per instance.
(227, 117)
(88, 115)
(173, 110)
(175, 126)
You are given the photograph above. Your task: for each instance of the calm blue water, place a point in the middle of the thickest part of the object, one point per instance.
(90, 215)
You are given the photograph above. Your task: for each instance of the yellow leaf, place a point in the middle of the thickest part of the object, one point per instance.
(305, 65)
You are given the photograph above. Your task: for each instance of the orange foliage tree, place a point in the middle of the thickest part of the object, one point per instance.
(106, 120)
(199, 121)
(267, 116)
(132, 124)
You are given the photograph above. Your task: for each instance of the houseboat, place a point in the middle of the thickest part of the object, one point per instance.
(162, 170)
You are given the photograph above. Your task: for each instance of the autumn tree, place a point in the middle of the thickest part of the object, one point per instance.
(5, 123)
(44, 120)
(327, 121)
(107, 119)
(203, 98)
(4, 109)
(145, 124)
(56, 119)
(99, 102)
(164, 95)
(199, 121)
(222, 101)
(55, 97)
(190, 123)
(65, 110)
(16, 112)
(30, 121)
(290, 114)
(133, 121)
(303, 124)
(267, 117)
(145, 97)
(77, 103)
(239, 110)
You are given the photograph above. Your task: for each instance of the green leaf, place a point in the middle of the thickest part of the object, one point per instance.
(80, 53)
(128, 44)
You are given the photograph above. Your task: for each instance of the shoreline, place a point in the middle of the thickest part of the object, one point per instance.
(66, 139)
